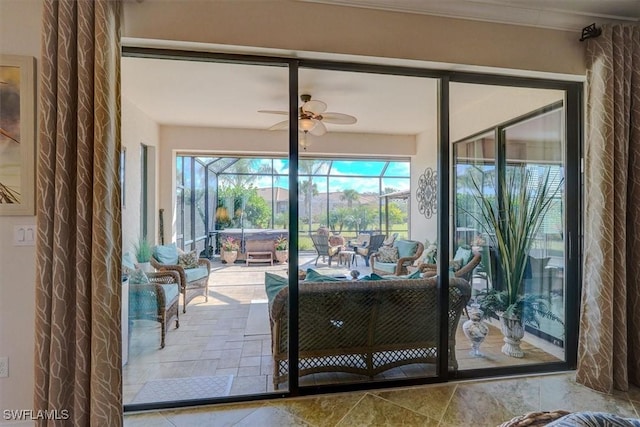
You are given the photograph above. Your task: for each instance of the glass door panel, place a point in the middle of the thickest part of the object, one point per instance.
(362, 319)
(535, 152)
(231, 182)
(508, 157)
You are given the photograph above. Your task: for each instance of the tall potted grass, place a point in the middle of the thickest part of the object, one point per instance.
(143, 250)
(512, 220)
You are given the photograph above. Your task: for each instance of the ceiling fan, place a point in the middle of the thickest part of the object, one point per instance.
(311, 118)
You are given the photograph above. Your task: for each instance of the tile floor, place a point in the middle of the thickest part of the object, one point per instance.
(471, 403)
(214, 339)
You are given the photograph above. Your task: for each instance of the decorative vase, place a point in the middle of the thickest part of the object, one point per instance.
(229, 256)
(145, 266)
(282, 255)
(475, 329)
(513, 332)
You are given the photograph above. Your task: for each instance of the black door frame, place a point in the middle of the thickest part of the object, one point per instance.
(573, 91)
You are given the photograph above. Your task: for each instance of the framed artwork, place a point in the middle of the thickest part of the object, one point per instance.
(17, 135)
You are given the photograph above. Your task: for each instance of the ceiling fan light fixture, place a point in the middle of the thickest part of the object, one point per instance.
(306, 125)
(304, 142)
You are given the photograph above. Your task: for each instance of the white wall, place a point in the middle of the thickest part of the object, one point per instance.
(301, 26)
(137, 129)
(423, 228)
(19, 35)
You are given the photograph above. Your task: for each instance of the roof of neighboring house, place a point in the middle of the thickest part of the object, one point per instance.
(281, 194)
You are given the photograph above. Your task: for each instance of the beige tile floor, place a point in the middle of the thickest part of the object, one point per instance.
(471, 403)
(213, 340)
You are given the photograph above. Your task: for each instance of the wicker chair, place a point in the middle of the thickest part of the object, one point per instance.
(193, 281)
(465, 272)
(324, 249)
(399, 267)
(157, 300)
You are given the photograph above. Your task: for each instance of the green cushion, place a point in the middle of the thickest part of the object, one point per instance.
(387, 267)
(373, 276)
(314, 276)
(170, 292)
(463, 254)
(166, 254)
(406, 248)
(273, 284)
(195, 273)
(414, 275)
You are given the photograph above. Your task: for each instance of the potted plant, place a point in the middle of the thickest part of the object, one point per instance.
(230, 249)
(143, 254)
(282, 249)
(511, 221)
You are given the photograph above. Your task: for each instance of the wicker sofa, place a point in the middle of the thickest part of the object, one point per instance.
(364, 327)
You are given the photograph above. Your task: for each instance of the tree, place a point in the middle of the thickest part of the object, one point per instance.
(307, 188)
(388, 190)
(338, 218)
(243, 173)
(350, 196)
(396, 215)
(242, 207)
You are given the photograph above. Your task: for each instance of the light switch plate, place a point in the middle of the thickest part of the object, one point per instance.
(24, 235)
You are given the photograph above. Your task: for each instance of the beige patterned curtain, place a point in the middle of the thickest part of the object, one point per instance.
(78, 358)
(609, 347)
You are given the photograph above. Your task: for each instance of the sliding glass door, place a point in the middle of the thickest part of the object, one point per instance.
(509, 171)
(366, 316)
(351, 222)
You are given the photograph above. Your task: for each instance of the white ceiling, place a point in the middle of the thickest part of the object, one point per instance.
(230, 95)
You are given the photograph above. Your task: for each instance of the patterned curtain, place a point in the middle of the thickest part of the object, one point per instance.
(78, 349)
(609, 347)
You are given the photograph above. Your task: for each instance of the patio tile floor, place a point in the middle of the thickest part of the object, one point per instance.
(212, 339)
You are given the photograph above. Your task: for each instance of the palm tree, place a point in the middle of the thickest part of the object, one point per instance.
(350, 196)
(308, 188)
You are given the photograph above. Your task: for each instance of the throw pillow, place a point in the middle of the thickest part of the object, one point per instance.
(138, 277)
(166, 254)
(188, 260)
(387, 254)
(406, 248)
(463, 254)
(314, 276)
(273, 284)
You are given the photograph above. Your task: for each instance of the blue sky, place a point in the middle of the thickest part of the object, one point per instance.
(344, 172)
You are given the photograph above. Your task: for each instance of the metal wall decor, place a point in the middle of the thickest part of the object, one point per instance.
(427, 192)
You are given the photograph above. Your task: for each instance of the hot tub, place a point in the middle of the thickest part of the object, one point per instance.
(256, 239)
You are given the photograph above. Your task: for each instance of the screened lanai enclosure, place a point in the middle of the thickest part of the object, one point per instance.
(218, 197)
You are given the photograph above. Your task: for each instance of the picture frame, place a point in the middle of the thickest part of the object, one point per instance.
(17, 135)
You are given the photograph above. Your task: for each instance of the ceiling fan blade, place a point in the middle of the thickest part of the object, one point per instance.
(314, 106)
(272, 112)
(280, 125)
(339, 118)
(319, 129)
